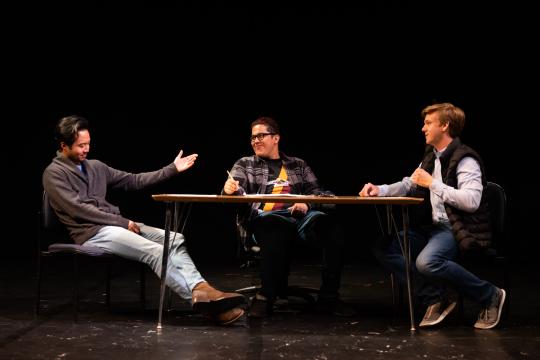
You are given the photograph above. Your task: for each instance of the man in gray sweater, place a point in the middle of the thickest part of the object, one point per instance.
(77, 189)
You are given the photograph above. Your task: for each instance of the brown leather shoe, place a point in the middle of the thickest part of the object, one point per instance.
(209, 301)
(227, 317)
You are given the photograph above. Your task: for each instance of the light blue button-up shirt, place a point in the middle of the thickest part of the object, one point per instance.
(466, 197)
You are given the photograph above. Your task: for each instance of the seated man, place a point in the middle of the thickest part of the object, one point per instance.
(452, 181)
(77, 190)
(275, 226)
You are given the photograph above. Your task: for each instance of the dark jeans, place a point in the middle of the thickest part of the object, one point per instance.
(275, 231)
(433, 253)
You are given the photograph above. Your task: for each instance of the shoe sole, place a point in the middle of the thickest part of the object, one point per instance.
(444, 314)
(218, 306)
(498, 314)
(232, 320)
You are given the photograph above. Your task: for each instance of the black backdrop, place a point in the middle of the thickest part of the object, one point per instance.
(347, 84)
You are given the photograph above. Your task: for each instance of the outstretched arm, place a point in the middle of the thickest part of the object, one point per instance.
(400, 188)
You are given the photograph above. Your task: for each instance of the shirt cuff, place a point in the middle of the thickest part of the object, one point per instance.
(437, 187)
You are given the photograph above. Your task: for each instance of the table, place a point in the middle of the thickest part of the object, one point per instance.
(189, 199)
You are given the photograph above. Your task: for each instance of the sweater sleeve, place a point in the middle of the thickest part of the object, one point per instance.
(122, 180)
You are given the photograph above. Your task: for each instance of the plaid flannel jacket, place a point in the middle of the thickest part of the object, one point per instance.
(252, 174)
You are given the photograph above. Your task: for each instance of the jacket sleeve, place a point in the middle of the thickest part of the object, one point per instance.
(310, 182)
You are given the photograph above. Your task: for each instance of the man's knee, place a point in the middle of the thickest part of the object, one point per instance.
(429, 265)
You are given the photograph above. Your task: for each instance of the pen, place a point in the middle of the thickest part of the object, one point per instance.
(230, 177)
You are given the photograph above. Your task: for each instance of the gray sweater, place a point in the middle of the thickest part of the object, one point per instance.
(79, 200)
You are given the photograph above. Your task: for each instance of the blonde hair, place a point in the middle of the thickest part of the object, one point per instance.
(448, 114)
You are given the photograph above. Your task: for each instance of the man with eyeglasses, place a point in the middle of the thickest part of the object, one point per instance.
(276, 225)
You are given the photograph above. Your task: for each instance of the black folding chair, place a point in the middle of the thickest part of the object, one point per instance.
(54, 242)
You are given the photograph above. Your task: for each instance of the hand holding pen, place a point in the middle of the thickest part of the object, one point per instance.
(231, 186)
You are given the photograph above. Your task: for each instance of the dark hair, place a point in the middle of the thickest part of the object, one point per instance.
(270, 123)
(448, 114)
(67, 129)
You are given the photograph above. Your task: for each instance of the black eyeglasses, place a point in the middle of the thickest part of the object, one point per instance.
(260, 136)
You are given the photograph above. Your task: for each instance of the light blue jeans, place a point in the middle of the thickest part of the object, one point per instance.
(147, 247)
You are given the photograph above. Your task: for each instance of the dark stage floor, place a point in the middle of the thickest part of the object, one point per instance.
(128, 332)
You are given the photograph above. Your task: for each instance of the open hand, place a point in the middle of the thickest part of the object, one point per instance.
(184, 163)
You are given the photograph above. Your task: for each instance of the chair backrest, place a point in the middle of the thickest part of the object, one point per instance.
(49, 220)
(496, 198)
(53, 236)
(51, 230)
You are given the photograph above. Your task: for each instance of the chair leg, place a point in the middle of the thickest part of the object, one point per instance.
(143, 286)
(169, 299)
(397, 294)
(108, 285)
(75, 287)
(461, 307)
(505, 283)
(393, 285)
(38, 290)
